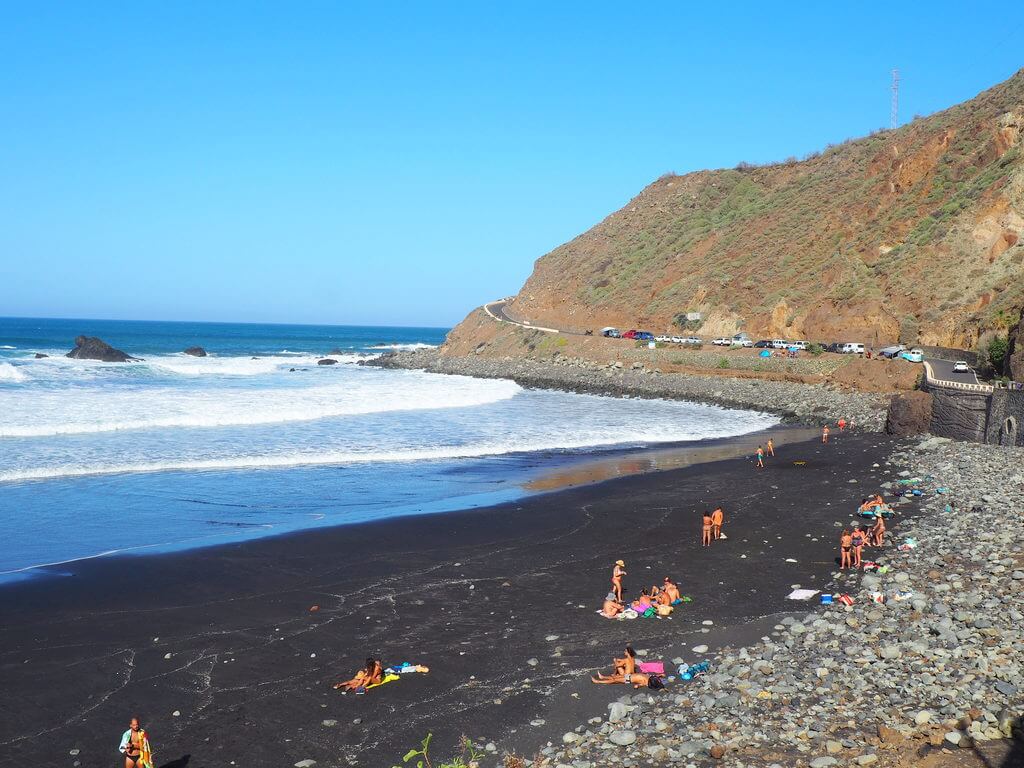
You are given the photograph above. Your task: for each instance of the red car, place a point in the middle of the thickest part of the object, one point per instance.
(630, 334)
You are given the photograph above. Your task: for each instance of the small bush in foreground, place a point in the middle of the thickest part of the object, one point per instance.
(467, 757)
(723, 362)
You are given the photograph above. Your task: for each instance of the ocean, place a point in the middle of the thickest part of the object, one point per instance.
(256, 439)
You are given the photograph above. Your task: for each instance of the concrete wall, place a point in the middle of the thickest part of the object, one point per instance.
(1005, 421)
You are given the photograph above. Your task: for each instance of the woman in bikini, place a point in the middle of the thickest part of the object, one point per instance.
(845, 545)
(372, 673)
(135, 746)
(642, 603)
(617, 573)
(707, 524)
(627, 664)
(857, 541)
(771, 447)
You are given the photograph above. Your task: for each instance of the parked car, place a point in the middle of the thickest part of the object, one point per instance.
(763, 344)
(644, 336)
(779, 343)
(693, 340)
(746, 343)
(664, 339)
(912, 356)
(630, 334)
(852, 348)
(722, 341)
(835, 347)
(802, 345)
(891, 352)
(678, 340)
(961, 367)
(611, 333)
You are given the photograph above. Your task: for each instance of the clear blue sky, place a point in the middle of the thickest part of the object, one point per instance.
(401, 163)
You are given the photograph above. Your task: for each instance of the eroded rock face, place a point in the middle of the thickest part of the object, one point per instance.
(93, 348)
(196, 352)
(1013, 365)
(909, 414)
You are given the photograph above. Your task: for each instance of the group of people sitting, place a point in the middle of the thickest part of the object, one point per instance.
(375, 673)
(656, 601)
(626, 672)
(852, 543)
(874, 506)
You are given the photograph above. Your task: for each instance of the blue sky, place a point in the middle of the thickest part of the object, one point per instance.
(403, 162)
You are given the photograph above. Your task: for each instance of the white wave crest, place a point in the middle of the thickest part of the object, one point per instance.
(43, 414)
(10, 374)
(7, 346)
(186, 365)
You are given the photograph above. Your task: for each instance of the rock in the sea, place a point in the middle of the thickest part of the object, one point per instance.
(196, 352)
(92, 348)
(40, 355)
(327, 361)
(910, 414)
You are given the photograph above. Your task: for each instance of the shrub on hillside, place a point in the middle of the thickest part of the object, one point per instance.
(815, 349)
(996, 352)
(723, 362)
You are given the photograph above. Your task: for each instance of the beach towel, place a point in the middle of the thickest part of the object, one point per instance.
(652, 667)
(388, 678)
(801, 594)
(146, 753)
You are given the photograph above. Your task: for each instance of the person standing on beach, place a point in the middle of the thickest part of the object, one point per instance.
(760, 458)
(135, 746)
(878, 531)
(617, 573)
(771, 447)
(857, 540)
(707, 524)
(841, 423)
(824, 434)
(845, 545)
(717, 518)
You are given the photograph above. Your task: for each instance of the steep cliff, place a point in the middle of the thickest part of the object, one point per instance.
(912, 234)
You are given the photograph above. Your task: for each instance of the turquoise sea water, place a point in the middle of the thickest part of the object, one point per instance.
(255, 439)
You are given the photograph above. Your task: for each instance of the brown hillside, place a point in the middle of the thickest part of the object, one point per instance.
(912, 234)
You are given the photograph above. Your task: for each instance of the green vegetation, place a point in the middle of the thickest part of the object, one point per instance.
(997, 349)
(723, 362)
(815, 349)
(468, 756)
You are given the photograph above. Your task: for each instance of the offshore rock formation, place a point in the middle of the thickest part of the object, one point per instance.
(92, 348)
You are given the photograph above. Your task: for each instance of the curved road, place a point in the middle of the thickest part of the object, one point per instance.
(496, 309)
(943, 370)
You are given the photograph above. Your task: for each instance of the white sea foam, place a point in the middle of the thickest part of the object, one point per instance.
(95, 409)
(187, 365)
(655, 433)
(7, 346)
(10, 374)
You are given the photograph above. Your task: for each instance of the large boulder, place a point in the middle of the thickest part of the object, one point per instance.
(327, 361)
(92, 348)
(910, 414)
(196, 352)
(1013, 363)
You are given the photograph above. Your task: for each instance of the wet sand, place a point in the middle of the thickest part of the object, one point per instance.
(475, 595)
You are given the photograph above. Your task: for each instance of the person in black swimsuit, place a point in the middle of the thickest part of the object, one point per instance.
(131, 743)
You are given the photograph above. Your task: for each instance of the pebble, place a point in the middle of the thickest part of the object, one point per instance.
(307, 763)
(330, 723)
(622, 738)
(699, 649)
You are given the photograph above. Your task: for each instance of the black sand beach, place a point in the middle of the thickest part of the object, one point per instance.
(475, 595)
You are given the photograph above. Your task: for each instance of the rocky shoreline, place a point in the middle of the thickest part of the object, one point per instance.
(805, 403)
(938, 671)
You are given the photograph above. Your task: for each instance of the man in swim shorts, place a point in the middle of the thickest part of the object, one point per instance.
(717, 517)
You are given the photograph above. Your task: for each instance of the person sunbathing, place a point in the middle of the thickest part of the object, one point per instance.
(671, 591)
(636, 679)
(372, 673)
(873, 504)
(643, 602)
(627, 664)
(660, 596)
(612, 607)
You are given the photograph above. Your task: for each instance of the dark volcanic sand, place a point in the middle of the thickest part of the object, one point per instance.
(474, 595)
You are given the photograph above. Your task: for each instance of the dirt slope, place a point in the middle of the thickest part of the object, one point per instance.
(912, 234)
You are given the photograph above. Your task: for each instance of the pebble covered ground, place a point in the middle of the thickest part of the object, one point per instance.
(940, 670)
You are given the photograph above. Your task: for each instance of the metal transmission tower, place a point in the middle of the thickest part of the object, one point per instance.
(895, 110)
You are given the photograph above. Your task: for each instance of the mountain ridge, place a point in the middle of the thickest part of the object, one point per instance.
(913, 234)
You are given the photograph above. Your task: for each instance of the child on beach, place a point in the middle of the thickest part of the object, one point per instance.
(760, 458)
(878, 531)
(824, 434)
(771, 447)
(845, 545)
(707, 524)
(617, 573)
(717, 518)
(857, 541)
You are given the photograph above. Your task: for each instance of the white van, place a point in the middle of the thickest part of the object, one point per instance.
(779, 344)
(802, 345)
(852, 349)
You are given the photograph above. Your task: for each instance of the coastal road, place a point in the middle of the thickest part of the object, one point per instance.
(496, 309)
(943, 370)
